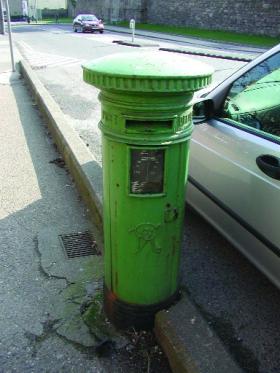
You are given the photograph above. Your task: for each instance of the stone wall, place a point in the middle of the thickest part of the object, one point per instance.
(111, 10)
(249, 16)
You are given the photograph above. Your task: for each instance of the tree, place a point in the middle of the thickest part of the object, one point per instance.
(74, 4)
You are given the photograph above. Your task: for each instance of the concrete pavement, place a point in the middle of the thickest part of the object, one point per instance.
(184, 359)
(39, 202)
(48, 297)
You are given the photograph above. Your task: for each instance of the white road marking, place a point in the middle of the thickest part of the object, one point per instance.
(40, 60)
(103, 38)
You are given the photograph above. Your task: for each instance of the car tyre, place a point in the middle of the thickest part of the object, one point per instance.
(101, 31)
(75, 30)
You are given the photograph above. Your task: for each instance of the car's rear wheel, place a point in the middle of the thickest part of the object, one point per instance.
(101, 31)
(75, 30)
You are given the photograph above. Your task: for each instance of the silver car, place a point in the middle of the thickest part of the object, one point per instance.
(234, 173)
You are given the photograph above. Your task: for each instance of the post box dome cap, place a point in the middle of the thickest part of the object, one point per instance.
(148, 72)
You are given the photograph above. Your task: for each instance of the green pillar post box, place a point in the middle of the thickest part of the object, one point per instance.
(146, 124)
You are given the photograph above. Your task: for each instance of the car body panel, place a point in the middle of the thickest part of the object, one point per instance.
(258, 253)
(227, 187)
(224, 157)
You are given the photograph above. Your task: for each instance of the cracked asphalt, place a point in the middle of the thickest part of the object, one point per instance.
(45, 296)
(35, 194)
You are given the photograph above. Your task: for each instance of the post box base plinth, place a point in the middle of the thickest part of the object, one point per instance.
(125, 315)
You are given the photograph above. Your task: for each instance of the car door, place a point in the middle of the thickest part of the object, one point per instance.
(235, 157)
(77, 22)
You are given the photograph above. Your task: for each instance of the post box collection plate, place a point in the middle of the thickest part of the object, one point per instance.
(147, 171)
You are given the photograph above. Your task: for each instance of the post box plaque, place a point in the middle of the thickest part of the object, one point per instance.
(146, 171)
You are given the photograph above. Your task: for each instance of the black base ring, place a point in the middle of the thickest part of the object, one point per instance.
(126, 315)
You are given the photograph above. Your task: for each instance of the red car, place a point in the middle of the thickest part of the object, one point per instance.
(88, 22)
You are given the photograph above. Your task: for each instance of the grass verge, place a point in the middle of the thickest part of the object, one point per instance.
(60, 20)
(226, 36)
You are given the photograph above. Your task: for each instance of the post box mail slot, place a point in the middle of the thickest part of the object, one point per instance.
(158, 126)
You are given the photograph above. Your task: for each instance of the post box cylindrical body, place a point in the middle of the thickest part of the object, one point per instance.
(146, 125)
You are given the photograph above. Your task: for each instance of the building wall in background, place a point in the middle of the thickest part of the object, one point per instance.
(47, 8)
(110, 10)
(15, 7)
(51, 4)
(250, 16)
(20, 7)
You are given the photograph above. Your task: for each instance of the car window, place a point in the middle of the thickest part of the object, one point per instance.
(89, 18)
(254, 99)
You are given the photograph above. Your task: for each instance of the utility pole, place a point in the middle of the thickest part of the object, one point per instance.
(2, 21)
(10, 35)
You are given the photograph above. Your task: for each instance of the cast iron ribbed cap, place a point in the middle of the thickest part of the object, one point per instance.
(147, 72)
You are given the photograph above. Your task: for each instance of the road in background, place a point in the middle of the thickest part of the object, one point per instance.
(237, 300)
(57, 53)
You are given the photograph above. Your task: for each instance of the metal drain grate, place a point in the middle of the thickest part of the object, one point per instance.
(79, 244)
